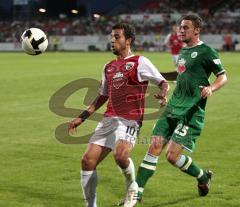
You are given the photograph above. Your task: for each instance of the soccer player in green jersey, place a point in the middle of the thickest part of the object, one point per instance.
(183, 119)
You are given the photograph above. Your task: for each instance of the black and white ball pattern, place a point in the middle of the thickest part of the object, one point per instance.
(34, 41)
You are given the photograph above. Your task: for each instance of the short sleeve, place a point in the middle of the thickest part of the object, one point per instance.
(148, 72)
(214, 62)
(103, 89)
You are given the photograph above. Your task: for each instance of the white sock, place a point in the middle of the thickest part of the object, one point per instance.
(89, 184)
(129, 173)
(151, 158)
(181, 161)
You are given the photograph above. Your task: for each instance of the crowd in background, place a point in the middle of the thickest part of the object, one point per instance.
(225, 20)
(183, 6)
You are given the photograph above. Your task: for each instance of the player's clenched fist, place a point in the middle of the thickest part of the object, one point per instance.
(206, 91)
(72, 127)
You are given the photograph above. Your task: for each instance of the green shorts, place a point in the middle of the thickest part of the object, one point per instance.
(179, 129)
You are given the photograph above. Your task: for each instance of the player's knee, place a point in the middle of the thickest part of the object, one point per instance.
(171, 157)
(154, 150)
(121, 158)
(156, 146)
(88, 163)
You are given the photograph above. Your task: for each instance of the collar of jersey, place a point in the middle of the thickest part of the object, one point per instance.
(199, 43)
(128, 57)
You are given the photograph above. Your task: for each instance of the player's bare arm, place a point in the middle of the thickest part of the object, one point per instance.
(167, 41)
(220, 81)
(95, 105)
(162, 95)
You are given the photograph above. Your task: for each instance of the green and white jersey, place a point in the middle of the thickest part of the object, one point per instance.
(195, 65)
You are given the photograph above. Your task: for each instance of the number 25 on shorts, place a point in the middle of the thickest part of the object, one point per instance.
(181, 130)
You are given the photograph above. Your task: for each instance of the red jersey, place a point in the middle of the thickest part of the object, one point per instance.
(125, 83)
(175, 43)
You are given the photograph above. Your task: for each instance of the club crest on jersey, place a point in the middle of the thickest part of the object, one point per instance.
(181, 65)
(129, 65)
(194, 54)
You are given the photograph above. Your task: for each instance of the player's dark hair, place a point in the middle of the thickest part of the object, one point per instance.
(196, 20)
(129, 31)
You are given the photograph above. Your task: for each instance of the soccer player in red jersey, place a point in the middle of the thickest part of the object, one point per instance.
(173, 42)
(124, 84)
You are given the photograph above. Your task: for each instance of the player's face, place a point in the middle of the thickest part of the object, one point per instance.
(118, 42)
(188, 33)
(174, 28)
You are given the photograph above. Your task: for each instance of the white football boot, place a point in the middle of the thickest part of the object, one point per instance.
(132, 193)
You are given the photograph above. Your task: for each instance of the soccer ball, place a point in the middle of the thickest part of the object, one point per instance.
(34, 41)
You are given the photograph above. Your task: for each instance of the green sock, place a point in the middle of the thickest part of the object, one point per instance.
(145, 171)
(187, 165)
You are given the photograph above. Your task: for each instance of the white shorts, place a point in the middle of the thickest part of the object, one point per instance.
(112, 129)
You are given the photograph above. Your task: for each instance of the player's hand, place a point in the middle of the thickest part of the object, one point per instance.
(162, 99)
(72, 126)
(206, 91)
(162, 94)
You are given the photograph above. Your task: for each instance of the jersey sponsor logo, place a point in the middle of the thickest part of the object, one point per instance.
(118, 75)
(181, 65)
(129, 65)
(217, 61)
(118, 80)
(194, 54)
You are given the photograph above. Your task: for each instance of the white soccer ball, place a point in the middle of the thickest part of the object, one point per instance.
(34, 41)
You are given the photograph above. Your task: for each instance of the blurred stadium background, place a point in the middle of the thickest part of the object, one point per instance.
(36, 170)
(81, 25)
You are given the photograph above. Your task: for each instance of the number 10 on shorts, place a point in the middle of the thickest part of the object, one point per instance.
(130, 130)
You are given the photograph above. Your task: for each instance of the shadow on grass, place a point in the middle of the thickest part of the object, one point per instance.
(24, 193)
(176, 201)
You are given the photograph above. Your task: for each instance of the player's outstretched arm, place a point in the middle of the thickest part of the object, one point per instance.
(162, 95)
(95, 105)
(220, 81)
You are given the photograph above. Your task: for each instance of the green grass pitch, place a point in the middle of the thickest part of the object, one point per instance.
(36, 170)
